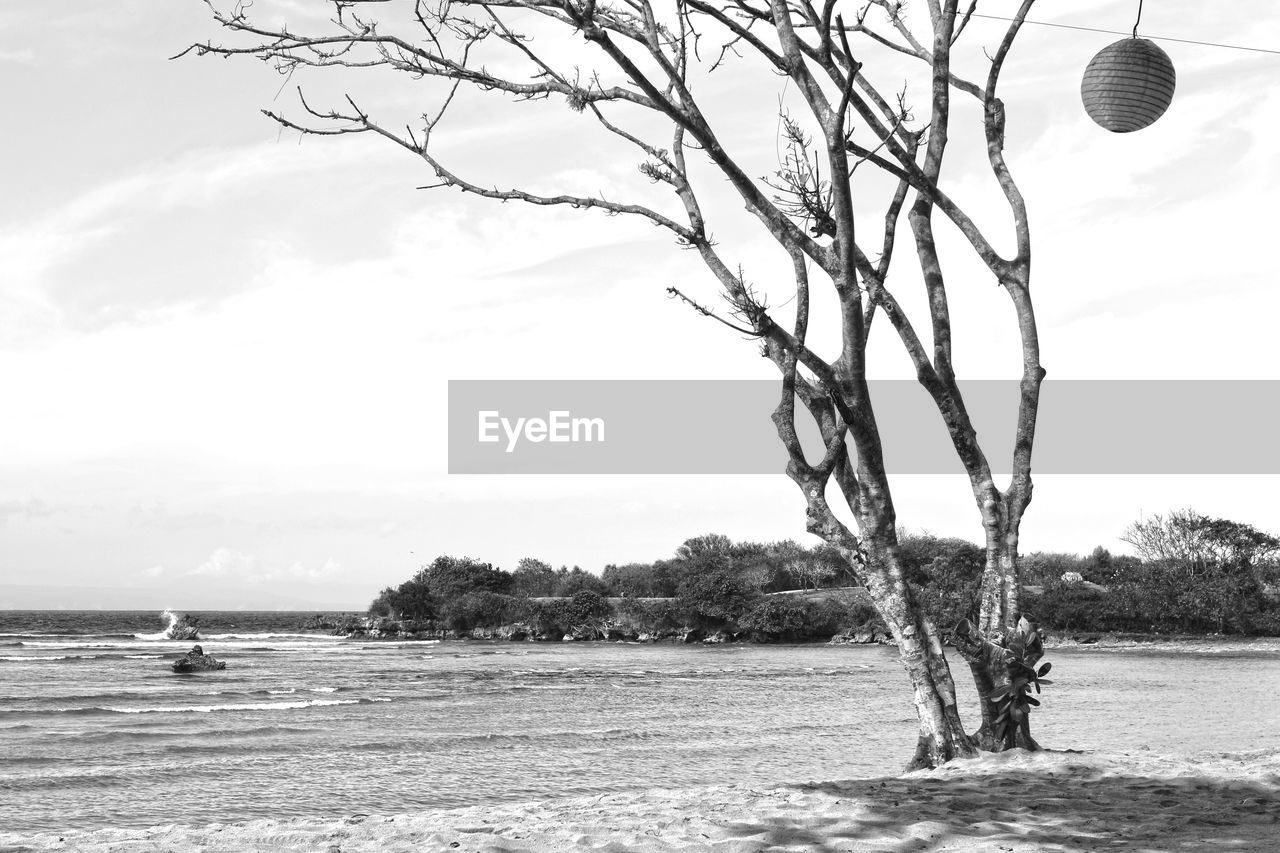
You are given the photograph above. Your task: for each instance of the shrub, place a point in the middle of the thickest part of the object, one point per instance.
(411, 600)
(1043, 567)
(447, 577)
(533, 578)
(826, 618)
(482, 609)
(1266, 622)
(587, 606)
(381, 606)
(948, 574)
(650, 616)
(783, 618)
(776, 618)
(547, 617)
(716, 598)
(860, 617)
(570, 583)
(633, 579)
(560, 616)
(1068, 606)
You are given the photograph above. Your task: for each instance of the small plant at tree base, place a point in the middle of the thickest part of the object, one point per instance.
(1018, 650)
(1013, 703)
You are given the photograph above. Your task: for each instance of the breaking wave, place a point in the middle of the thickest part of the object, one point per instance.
(171, 630)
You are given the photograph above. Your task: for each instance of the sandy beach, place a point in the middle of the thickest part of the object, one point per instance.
(1016, 801)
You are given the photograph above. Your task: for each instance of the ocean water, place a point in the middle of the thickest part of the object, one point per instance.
(96, 731)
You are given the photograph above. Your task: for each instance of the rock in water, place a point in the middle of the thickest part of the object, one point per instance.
(197, 661)
(183, 627)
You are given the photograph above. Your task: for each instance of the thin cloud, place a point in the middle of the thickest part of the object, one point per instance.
(120, 212)
(200, 178)
(232, 565)
(24, 508)
(227, 562)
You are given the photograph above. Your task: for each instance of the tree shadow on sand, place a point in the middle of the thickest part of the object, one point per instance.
(1062, 810)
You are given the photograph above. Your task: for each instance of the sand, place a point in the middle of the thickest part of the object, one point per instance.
(1015, 801)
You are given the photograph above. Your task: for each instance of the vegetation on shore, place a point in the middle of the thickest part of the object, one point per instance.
(1194, 574)
(712, 587)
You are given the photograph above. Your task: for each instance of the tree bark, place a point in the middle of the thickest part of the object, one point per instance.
(941, 734)
(987, 652)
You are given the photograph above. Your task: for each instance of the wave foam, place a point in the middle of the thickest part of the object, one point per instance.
(167, 633)
(66, 644)
(17, 658)
(244, 706)
(273, 636)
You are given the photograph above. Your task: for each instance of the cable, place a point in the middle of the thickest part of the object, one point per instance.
(1122, 33)
(1138, 21)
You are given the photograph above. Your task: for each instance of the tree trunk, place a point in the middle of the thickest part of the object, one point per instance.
(998, 619)
(941, 733)
(990, 675)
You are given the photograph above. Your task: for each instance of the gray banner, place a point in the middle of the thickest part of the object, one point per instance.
(724, 427)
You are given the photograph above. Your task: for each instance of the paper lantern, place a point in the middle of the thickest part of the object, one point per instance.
(1128, 85)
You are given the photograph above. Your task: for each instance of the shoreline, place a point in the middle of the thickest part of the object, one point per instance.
(337, 625)
(1013, 801)
(1052, 640)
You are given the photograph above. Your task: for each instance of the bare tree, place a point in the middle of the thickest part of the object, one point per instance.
(810, 570)
(1186, 536)
(650, 63)
(1224, 561)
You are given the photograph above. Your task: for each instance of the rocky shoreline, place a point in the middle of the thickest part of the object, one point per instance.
(605, 630)
(356, 626)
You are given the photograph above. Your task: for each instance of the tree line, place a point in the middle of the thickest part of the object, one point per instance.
(1191, 574)
(710, 584)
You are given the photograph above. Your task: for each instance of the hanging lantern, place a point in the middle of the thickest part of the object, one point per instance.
(1128, 85)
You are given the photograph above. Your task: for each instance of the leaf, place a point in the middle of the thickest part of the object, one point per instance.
(1045, 681)
(998, 695)
(1001, 716)
(1044, 670)
(1037, 687)
(1016, 715)
(1033, 700)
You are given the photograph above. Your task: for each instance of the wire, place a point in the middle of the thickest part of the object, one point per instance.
(1122, 33)
(1138, 21)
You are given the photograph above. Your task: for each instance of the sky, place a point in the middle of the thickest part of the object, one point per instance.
(225, 348)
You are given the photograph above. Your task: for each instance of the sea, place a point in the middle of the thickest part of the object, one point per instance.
(97, 731)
